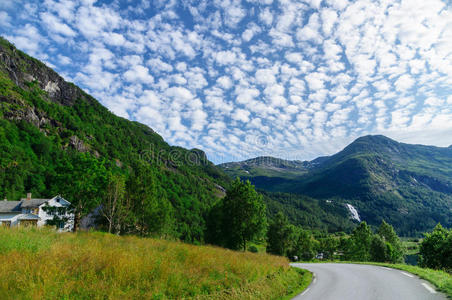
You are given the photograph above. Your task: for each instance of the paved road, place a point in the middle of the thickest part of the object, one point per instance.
(364, 282)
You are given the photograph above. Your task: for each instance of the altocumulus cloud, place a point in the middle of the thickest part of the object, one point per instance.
(306, 77)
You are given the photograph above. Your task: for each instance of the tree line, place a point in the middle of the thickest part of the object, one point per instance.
(362, 244)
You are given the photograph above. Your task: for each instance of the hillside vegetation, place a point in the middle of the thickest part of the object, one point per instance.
(56, 139)
(407, 185)
(42, 264)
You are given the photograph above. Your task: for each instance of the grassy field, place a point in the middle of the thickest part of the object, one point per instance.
(411, 245)
(42, 264)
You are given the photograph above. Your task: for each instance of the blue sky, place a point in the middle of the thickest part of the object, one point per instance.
(238, 79)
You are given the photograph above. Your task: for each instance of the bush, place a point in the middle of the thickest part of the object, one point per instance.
(253, 249)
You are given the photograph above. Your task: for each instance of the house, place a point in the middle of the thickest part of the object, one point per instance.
(37, 212)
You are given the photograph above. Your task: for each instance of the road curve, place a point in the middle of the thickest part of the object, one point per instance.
(364, 282)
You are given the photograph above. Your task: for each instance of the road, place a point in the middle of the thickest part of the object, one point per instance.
(364, 282)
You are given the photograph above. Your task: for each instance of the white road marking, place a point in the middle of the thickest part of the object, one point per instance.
(304, 292)
(429, 288)
(387, 268)
(406, 274)
(315, 279)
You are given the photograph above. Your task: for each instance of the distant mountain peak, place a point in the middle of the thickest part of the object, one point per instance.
(378, 138)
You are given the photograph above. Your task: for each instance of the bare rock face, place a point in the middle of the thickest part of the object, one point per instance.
(52, 88)
(48, 80)
(77, 144)
(27, 114)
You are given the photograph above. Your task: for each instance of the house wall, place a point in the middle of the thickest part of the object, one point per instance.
(10, 217)
(68, 226)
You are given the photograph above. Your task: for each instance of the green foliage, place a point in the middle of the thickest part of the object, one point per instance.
(328, 246)
(253, 249)
(395, 250)
(305, 247)
(384, 246)
(280, 235)
(408, 185)
(310, 213)
(361, 239)
(85, 178)
(239, 218)
(436, 249)
(380, 251)
(72, 146)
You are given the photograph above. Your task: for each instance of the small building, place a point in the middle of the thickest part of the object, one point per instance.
(37, 212)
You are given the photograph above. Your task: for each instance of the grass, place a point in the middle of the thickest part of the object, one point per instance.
(411, 245)
(306, 277)
(42, 264)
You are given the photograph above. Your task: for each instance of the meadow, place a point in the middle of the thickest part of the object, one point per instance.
(43, 264)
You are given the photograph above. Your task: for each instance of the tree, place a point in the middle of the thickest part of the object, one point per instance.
(243, 215)
(305, 246)
(153, 213)
(113, 202)
(83, 181)
(281, 235)
(361, 239)
(435, 247)
(379, 249)
(328, 245)
(395, 249)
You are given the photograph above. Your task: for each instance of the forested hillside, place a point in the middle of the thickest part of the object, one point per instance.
(409, 186)
(56, 139)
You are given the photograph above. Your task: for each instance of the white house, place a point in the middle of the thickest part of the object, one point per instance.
(37, 212)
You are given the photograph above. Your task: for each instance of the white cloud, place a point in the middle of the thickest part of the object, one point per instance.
(312, 74)
(5, 19)
(91, 21)
(404, 83)
(55, 25)
(315, 81)
(224, 82)
(225, 57)
(64, 60)
(241, 115)
(266, 16)
(138, 73)
(265, 76)
(157, 65)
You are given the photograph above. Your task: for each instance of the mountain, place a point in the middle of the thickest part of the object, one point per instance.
(48, 127)
(266, 167)
(409, 186)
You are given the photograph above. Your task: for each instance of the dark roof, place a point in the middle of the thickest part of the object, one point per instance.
(9, 206)
(16, 206)
(33, 203)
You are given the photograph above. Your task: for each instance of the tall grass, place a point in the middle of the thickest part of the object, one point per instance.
(42, 264)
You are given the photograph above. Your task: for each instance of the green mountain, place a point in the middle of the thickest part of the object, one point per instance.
(410, 186)
(266, 166)
(49, 128)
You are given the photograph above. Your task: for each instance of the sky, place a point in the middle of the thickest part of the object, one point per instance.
(244, 78)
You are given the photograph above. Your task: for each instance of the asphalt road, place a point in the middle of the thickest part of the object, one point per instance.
(364, 282)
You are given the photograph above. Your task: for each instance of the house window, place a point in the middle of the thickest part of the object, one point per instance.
(28, 223)
(6, 223)
(61, 225)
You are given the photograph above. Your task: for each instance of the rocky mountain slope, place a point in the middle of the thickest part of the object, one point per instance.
(48, 125)
(409, 186)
